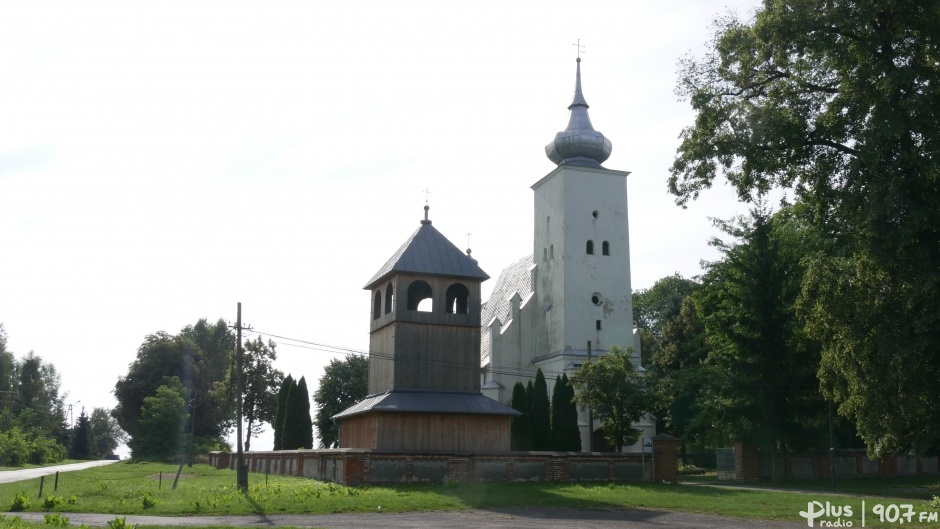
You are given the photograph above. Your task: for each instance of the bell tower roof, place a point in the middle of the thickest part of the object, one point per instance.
(427, 251)
(579, 143)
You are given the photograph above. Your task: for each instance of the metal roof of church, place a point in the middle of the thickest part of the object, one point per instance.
(516, 277)
(428, 402)
(427, 251)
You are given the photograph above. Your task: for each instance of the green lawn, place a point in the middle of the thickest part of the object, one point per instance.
(135, 488)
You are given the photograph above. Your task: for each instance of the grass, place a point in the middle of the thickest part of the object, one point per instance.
(135, 488)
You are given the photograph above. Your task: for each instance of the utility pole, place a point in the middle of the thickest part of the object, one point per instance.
(240, 469)
(590, 411)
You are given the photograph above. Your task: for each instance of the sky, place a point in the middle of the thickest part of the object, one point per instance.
(161, 162)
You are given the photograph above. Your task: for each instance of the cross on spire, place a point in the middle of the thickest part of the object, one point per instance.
(426, 193)
(579, 45)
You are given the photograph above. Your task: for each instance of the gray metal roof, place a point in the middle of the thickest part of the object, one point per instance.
(579, 143)
(428, 402)
(427, 251)
(516, 277)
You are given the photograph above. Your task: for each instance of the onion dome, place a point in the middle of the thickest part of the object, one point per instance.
(579, 144)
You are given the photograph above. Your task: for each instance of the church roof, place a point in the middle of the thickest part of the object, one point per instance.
(579, 143)
(428, 402)
(427, 251)
(516, 277)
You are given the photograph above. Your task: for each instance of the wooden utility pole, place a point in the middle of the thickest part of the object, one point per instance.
(241, 470)
(590, 411)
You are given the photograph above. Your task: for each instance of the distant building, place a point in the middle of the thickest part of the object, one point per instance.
(573, 292)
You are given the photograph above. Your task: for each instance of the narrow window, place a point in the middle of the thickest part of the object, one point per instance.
(545, 254)
(605, 248)
(597, 323)
(457, 299)
(377, 306)
(590, 247)
(551, 252)
(418, 292)
(389, 298)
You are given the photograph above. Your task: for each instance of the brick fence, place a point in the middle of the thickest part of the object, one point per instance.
(355, 466)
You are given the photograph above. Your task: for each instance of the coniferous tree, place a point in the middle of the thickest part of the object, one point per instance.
(82, 444)
(278, 425)
(541, 422)
(566, 437)
(304, 422)
(519, 427)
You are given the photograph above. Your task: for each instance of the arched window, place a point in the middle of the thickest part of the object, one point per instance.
(551, 252)
(377, 306)
(419, 291)
(545, 254)
(590, 248)
(457, 299)
(605, 248)
(389, 298)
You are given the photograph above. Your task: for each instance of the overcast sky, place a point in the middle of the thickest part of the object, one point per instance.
(160, 162)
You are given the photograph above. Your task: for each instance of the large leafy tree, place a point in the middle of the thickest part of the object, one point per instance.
(200, 358)
(654, 307)
(261, 383)
(839, 102)
(106, 433)
(616, 392)
(164, 415)
(344, 383)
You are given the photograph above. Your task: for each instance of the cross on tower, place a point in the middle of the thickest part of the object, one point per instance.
(579, 45)
(426, 193)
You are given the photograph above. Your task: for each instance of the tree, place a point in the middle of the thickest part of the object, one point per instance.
(200, 358)
(82, 443)
(839, 103)
(519, 425)
(655, 307)
(344, 383)
(261, 383)
(106, 433)
(297, 431)
(37, 403)
(616, 392)
(163, 419)
(761, 367)
(282, 393)
(540, 423)
(566, 436)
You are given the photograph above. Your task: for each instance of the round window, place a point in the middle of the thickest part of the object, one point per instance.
(594, 214)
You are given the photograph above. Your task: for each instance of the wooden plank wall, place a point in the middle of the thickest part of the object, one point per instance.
(439, 431)
(358, 431)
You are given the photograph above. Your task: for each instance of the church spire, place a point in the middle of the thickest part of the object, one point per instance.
(579, 143)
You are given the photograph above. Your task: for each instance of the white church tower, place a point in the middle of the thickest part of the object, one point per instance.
(572, 297)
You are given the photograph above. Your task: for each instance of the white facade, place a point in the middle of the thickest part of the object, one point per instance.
(574, 291)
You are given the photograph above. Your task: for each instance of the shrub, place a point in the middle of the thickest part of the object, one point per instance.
(56, 520)
(50, 502)
(120, 523)
(20, 502)
(690, 470)
(148, 500)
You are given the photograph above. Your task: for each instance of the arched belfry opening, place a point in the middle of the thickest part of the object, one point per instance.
(420, 296)
(457, 299)
(389, 298)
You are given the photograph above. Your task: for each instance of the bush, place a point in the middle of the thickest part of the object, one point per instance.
(56, 520)
(690, 470)
(50, 502)
(120, 523)
(20, 502)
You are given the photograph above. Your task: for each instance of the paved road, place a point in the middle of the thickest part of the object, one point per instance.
(521, 518)
(9, 476)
